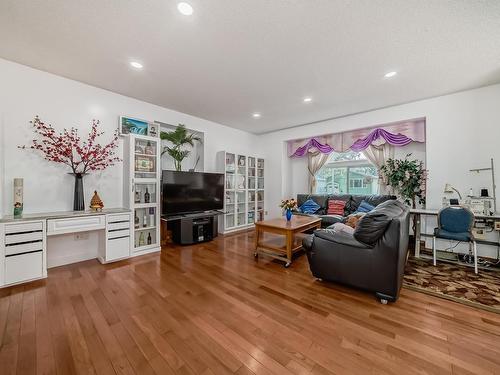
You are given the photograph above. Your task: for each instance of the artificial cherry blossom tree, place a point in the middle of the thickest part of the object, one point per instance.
(67, 147)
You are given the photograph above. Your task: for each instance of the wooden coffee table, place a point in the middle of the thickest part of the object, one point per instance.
(289, 229)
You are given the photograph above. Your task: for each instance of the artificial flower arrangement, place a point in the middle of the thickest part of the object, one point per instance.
(288, 204)
(67, 147)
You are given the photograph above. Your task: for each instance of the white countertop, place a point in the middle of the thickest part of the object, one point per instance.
(62, 214)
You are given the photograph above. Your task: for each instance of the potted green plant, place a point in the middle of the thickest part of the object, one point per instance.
(407, 178)
(179, 138)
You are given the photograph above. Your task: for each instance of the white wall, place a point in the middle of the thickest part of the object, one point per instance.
(462, 132)
(27, 92)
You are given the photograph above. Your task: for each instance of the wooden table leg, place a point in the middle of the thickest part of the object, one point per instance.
(289, 245)
(257, 235)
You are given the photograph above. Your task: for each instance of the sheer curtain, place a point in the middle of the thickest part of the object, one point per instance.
(378, 155)
(315, 160)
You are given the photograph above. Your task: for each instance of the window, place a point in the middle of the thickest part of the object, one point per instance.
(347, 173)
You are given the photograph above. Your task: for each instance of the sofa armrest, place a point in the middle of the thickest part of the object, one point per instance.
(341, 238)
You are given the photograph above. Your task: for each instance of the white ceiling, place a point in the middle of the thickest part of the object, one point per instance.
(236, 57)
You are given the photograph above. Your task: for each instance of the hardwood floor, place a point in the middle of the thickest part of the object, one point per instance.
(211, 309)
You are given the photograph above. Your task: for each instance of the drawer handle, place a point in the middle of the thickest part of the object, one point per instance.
(27, 252)
(26, 232)
(117, 238)
(120, 221)
(22, 243)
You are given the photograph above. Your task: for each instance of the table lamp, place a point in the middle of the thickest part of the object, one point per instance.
(450, 189)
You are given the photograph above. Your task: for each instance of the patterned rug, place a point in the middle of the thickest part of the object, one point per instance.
(454, 282)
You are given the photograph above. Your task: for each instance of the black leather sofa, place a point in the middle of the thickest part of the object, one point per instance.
(352, 204)
(373, 258)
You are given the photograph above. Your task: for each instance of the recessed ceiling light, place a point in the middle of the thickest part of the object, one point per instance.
(185, 9)
(256, 115)
(307, 100)
(390, 74)
(136, 64)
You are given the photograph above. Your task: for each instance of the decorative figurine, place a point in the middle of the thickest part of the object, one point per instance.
(18, 197)
(96, 202)
(149, 150)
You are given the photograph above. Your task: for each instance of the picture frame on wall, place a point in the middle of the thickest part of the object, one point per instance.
(130, 125)
(153, 130)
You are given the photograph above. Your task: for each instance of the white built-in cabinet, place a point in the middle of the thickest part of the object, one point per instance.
(142, 177)
(243, 190)
(23, 254)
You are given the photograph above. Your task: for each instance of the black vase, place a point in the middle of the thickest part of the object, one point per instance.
(78, 200)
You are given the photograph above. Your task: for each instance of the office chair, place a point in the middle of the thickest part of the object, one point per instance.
(455, 223)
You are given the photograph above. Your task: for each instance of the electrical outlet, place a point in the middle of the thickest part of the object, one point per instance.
(81, 236)
(479, 233)
(497, 225)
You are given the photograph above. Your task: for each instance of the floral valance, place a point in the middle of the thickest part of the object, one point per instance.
(397, 134)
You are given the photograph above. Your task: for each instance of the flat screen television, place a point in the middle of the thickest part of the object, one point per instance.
(188, 192)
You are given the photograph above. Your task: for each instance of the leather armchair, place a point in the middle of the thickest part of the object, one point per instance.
(372, 259)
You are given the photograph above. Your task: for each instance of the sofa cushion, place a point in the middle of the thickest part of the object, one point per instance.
(374, 200)
(335, 207)
(373, 225)
(309, 207)
(365, 207)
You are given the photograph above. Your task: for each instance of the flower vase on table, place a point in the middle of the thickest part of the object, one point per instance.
(288, 205)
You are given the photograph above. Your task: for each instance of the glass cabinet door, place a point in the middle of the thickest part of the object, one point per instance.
(240, 208)
(145, 158)
(145, 226)
(241, 173)
(230, 205)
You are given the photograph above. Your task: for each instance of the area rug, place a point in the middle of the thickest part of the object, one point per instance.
(454, 282)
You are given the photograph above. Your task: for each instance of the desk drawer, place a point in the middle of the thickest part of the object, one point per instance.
(118, 248)
(23, 248)
(24, 237)
(118, 217)
(76, 224)
(119, 225)
(24, 227)
(119, 233)
(24, 267)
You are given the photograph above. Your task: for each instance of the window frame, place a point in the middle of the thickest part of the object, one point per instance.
(348, 165)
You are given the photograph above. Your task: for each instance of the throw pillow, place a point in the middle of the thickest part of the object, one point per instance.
(353, 219)
(364, 206)
(372, 226)
(309, 207)
(335, 207)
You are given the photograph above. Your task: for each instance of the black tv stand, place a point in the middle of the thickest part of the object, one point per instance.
(191, 228)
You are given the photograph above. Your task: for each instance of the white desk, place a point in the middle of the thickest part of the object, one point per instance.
(418, 213)
(23, 241)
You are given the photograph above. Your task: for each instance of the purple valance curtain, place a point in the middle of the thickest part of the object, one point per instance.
(397, 140)
(396, 134)
(312, 143)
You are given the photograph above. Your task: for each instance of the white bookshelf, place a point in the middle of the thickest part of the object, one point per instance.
(142, 175)
(243, 190)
